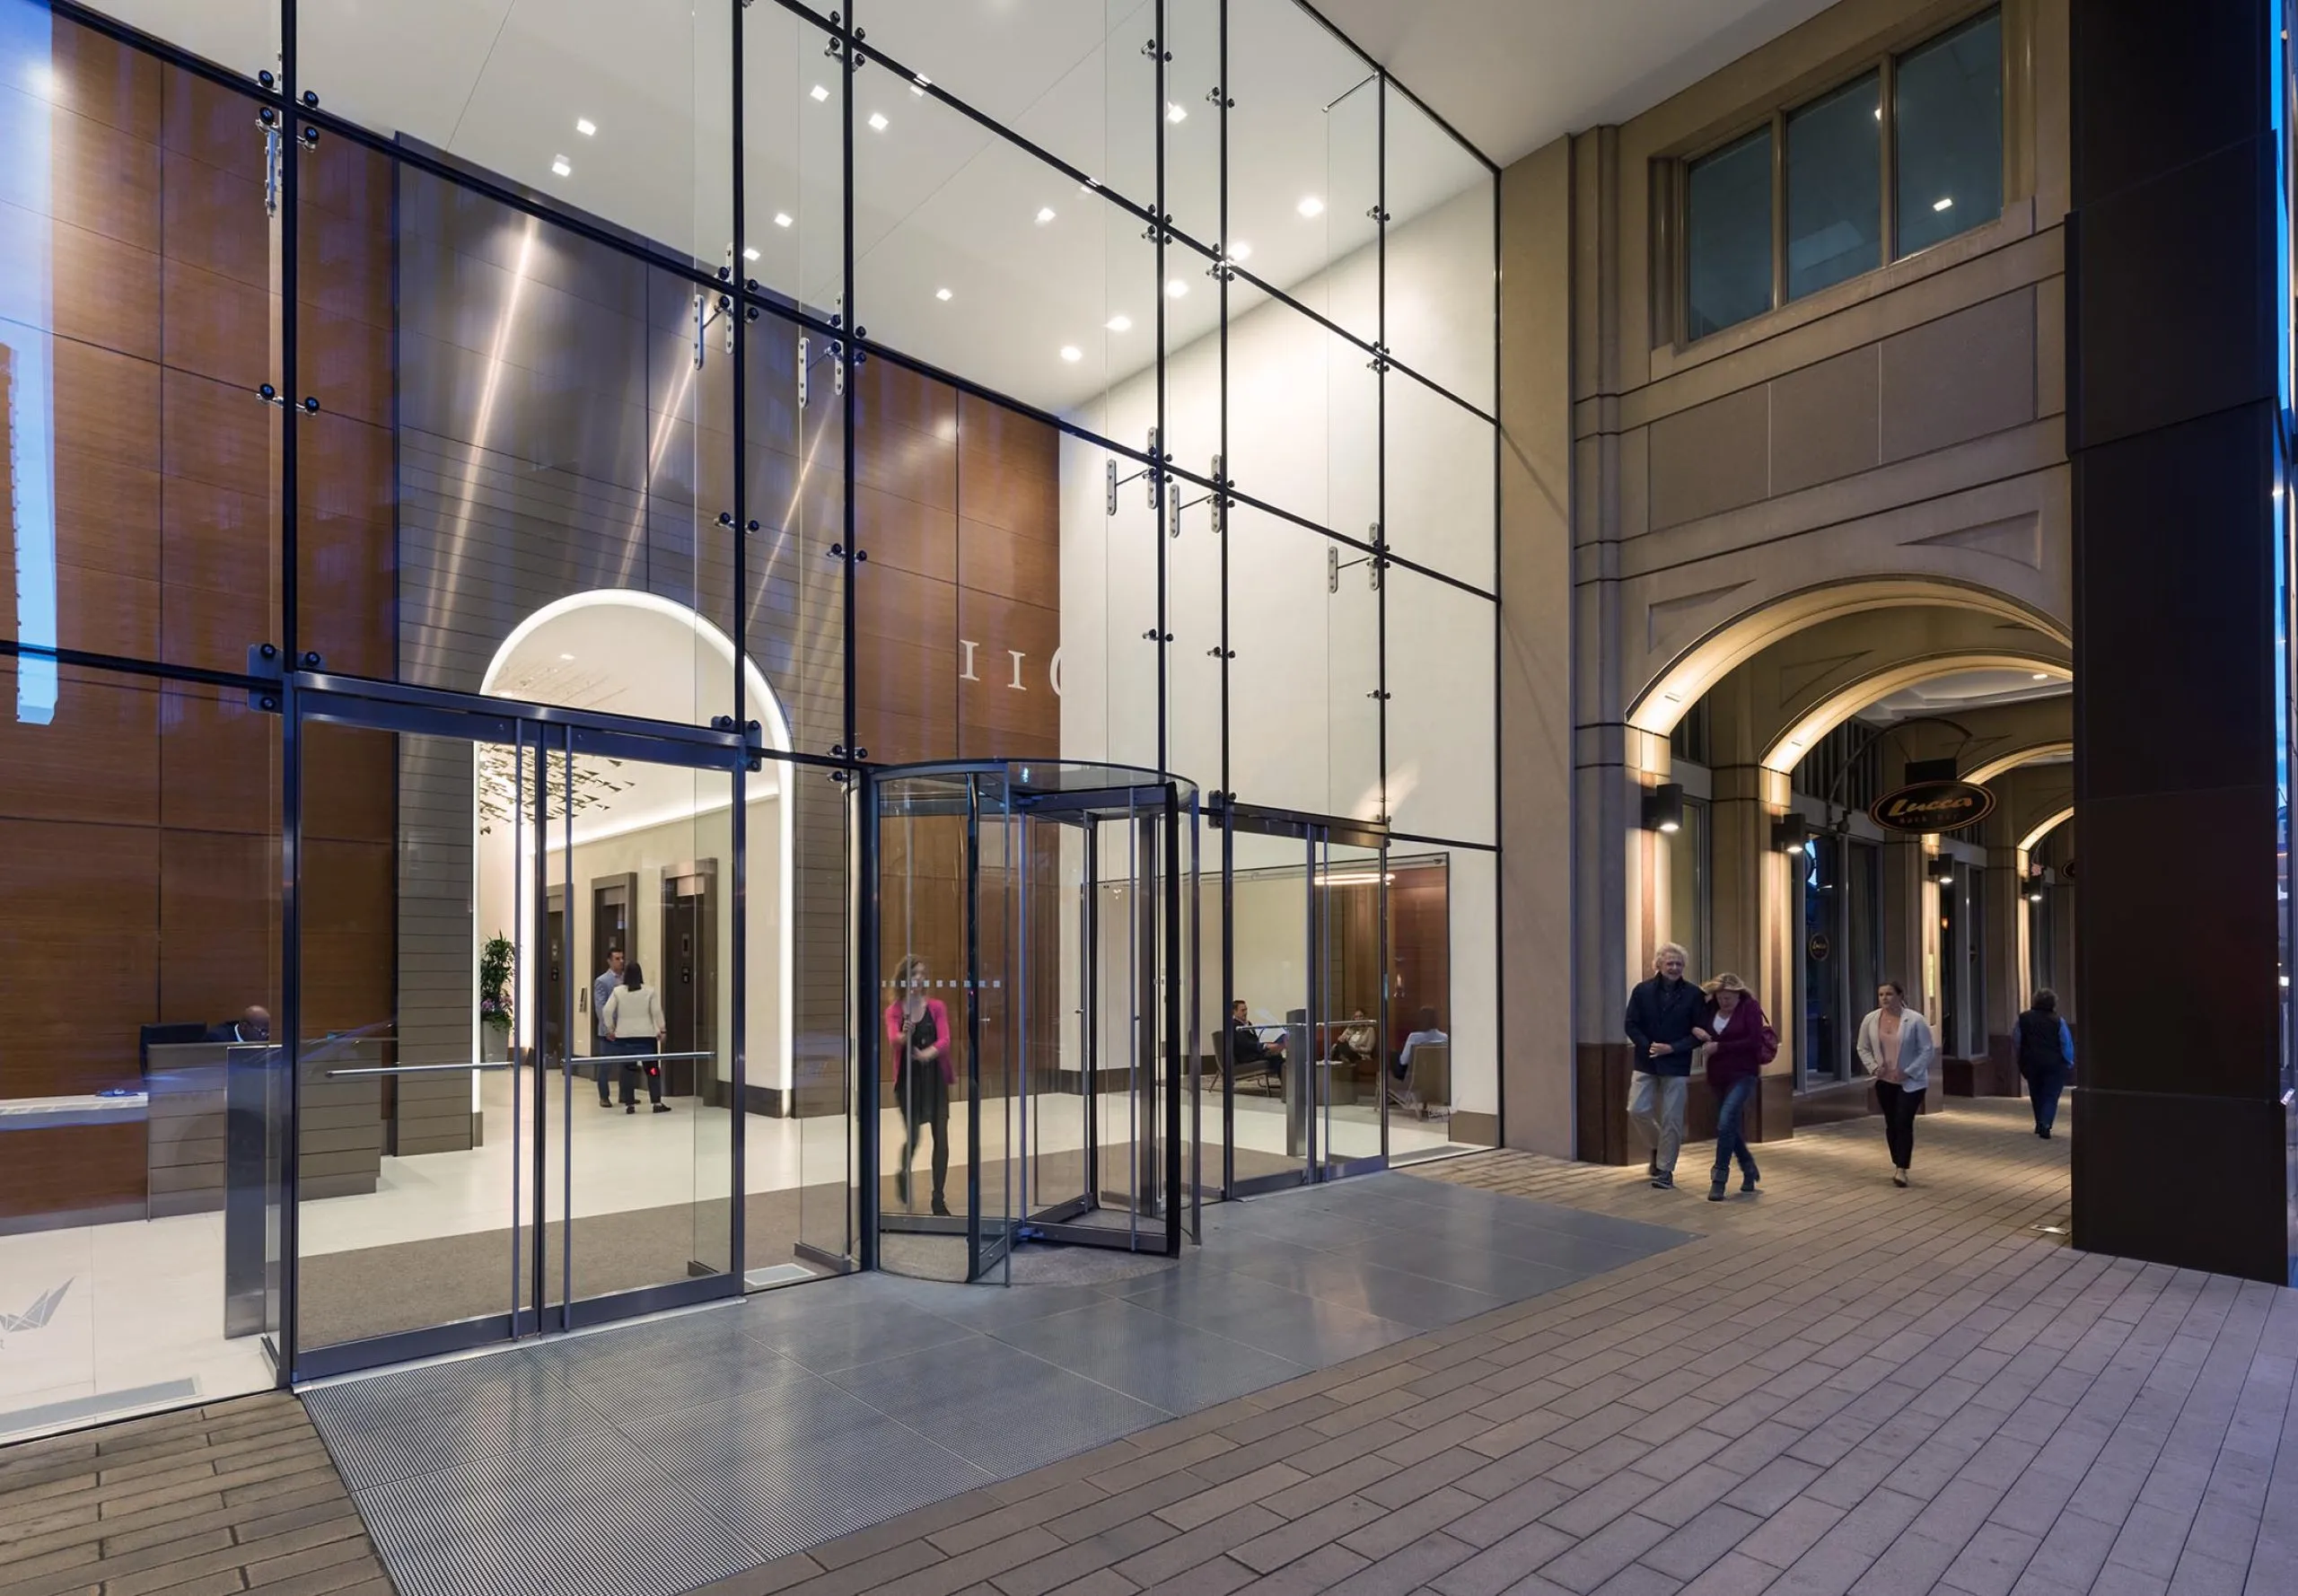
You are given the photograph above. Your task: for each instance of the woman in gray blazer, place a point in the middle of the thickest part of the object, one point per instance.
(1896, 1046)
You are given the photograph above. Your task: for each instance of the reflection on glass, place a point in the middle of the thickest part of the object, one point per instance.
(138, 1136)
(1727, 235)
(624, 111)
(1439, 315)
(1835, 173)
(1440, 665)
(1947, 126)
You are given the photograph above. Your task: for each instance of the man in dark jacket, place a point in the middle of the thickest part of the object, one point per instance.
(1660, 1014)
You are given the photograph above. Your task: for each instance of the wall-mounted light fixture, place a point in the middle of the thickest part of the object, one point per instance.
(1790, 832)
(1664, 807)
(1942, 870)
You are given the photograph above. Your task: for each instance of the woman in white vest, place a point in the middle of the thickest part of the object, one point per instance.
(633, 1027)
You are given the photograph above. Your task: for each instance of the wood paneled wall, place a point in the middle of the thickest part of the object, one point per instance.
(141, 880)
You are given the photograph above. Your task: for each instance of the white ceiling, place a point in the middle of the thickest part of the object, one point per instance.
(1512, 75)
(939, 204)
(1963, 690)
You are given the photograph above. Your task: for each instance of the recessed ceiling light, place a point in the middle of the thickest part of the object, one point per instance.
(782, 218)
(585, 127)
(561, 167)
(1311, 206)
(1940, 205)
(750, 254)
(1119, 324)
(1174, 113)
(1175, 288)
(1072, 354)
(2042, 676)
(942, 294)
(818, 93)
(1240, 251)
(878, 121)
(1045, 214)
(918, 88)
(567, 656)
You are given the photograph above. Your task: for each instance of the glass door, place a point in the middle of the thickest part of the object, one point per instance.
(1352, 1042)
(502, 1126)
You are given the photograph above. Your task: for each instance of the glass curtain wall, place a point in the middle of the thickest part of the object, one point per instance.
(921, 380)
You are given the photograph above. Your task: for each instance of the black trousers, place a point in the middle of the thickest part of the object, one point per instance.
(1901, 1107)
(924, 1098)
(632, 1070)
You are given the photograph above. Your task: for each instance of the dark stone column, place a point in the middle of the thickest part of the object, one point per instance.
(2173, 428)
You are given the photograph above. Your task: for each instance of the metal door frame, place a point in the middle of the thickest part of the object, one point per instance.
(529, 731)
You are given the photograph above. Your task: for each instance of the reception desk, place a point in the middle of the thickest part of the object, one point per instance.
(340, 1147)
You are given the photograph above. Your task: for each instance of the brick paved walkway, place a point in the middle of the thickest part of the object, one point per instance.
(235, 1496)
(1841, 1386)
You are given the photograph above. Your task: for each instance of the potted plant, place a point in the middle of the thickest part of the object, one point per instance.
(494, 962)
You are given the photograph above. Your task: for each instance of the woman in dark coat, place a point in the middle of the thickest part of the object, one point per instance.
(1736, 1041)
(917, 1027)
(2046, 1056)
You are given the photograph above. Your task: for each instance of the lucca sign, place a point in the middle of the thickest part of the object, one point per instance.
(1933, 806)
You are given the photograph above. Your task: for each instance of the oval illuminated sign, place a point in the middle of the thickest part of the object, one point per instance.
(1933, 806)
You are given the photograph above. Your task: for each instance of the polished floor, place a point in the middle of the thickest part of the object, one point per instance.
(654, 1458)
(139, 1326)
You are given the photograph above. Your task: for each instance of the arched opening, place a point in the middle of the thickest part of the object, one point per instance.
(2034, 753)
(1851, 697)
(641, 655)
(1698, 667)
(2050, 823)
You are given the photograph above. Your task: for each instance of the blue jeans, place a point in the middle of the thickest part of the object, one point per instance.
(1731, 1138)
(2044, 1086)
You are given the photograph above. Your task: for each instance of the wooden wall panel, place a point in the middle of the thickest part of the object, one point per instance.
(94, 764)
(219, 924)
(79, 934)
(73, 1170)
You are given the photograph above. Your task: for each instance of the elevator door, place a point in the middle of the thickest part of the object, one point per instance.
(689, 971)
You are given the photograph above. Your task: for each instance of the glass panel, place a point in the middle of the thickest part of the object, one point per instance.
(139, 1179)
(652, 870)
(1444, 1014)
(1441, 498)
(925, 931)
(1442, 672)
(1109, 665)
(1193, 140)
(794, 156)
(1947, 125)
(1264, 1027)
(1303, 418)
(1685, 855)
(794, 615)
(414, 1189)
(242, 36)
(1304, 162)
(1351, 910)
(974, 257)
(541, 522)
(1727, 235)
(136, 323)
(1195, 549)
(1440, 259)
(1834, 174)
(624, 111)
(1074, 80)
(1304, 622)
(1823, 1049)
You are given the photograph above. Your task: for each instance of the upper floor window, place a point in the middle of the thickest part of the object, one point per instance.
(1902, 156)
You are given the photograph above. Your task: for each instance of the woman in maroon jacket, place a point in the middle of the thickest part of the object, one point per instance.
(1737, 1041)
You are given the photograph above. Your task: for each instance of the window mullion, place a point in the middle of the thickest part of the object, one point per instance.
(1887, 102)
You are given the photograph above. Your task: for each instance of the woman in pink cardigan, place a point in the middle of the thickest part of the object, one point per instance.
(917, 1027)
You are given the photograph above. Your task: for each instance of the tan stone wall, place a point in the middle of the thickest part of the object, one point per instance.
(1891, 441)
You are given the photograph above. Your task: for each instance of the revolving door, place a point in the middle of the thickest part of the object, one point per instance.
(1033, 964)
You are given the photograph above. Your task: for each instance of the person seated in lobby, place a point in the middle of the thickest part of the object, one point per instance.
(1424, 1031)
(1358, 1041)
(253, 1025)
(1247, 1046)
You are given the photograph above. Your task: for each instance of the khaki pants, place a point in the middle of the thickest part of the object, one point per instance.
(1655, 1104)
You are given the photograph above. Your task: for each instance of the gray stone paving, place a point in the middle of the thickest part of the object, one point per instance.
(1842, 1387)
